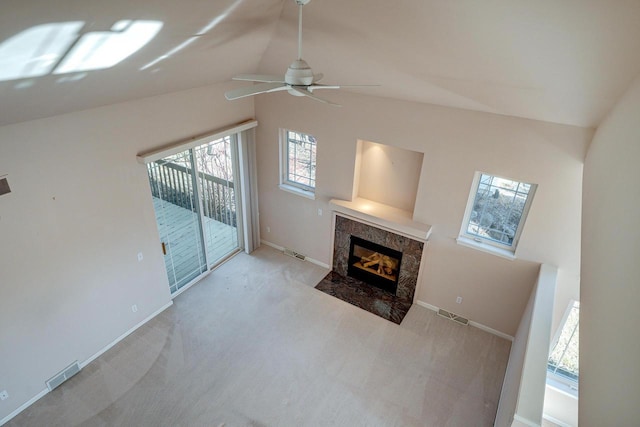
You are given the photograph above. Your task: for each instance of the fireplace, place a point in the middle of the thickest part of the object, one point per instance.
(374, 264)
(377, 254)
(374, 269)
(408, 251)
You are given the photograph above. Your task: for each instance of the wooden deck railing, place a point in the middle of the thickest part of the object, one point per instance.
(173, 183)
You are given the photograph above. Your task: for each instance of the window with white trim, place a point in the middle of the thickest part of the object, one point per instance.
(496, 212)
(563, 358)
(298, 162)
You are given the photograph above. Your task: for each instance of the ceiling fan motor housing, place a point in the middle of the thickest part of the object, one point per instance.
(299, 73)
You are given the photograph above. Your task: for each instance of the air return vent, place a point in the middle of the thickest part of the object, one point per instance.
(4, 186)
(452, 316)
(64, 375)
(294, 254)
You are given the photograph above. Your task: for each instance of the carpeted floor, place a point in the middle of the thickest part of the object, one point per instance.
(254, 344)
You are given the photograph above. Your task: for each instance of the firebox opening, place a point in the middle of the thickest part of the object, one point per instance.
(374, 264)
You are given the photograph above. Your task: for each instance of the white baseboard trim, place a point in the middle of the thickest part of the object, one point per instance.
(491, 330)
(273, 245)
(525, 421)
(471, 322)
(40, 395)
(126, 334)
(24, 406)
(318, 263)
(427, 305)
(554, 420)
(281, 248)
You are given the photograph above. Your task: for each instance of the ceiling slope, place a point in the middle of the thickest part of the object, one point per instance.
(200, 43)
(565, 62)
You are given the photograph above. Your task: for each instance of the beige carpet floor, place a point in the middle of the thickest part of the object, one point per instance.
(254, 344)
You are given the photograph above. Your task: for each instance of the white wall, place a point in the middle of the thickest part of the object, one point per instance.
(523, 389)
(388, 175)
(534, 372)
(79, 212)
(560, 406)
(455, 143)
(610, 288)
(513, 374)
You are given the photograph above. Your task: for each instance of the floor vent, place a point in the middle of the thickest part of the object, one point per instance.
(453, 316)
(64, 375)
(294, 254)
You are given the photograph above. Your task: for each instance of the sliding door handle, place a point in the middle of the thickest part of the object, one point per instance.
(164, 248)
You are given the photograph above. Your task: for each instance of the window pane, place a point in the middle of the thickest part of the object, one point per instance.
(301, 149)
(564, 357)
(497, 209)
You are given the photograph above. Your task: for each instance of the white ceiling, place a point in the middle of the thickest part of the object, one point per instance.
(564, 61)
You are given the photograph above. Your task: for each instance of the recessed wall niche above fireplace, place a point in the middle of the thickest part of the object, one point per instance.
(378, 246)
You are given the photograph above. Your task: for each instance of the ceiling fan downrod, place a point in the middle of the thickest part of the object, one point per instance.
(300, 30)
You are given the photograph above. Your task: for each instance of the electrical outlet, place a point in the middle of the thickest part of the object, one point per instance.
(268, 229)
(140, 256)
(319, 212)
(459, 300)
(4, 395)
(134, 308)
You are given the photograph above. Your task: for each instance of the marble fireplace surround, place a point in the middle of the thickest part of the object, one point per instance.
(385, 226)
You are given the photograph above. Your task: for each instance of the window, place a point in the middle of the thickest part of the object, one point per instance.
(298, 163)
(496, 212)
(563, 358)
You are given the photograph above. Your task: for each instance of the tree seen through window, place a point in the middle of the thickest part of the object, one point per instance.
(498, 209)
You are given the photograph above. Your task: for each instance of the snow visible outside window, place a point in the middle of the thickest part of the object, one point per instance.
(497, 210)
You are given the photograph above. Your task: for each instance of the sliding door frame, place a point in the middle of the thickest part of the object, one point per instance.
(241, 136)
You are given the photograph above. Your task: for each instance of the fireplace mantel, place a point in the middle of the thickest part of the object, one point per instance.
(385, 216)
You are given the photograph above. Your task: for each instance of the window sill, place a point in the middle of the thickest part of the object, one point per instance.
(562, 387)
(298, 191)
(485, 247)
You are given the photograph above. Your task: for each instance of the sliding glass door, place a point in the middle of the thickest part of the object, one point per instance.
(216, 169)
(196, 201)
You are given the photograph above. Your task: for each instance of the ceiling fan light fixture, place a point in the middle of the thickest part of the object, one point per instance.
(299, 73)
(299, 79)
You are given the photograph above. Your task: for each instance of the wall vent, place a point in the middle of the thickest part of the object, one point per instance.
(4, 186)
(452, 316)
(294, 254)
(63, 375)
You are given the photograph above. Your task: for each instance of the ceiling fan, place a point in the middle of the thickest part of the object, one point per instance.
(299, 79)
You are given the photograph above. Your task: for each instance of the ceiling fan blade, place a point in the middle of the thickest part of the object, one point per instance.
(321, 86)
(313, 87)
(303, 91)
(254, 90)
(263, 78)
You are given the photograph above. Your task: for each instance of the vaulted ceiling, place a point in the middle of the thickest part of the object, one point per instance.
(560, 61)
